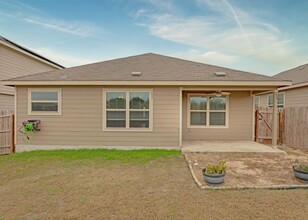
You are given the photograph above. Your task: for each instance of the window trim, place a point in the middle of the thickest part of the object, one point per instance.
(58, 90)
(258, 104)
(188, 110)
(127, 109)
(284, 100)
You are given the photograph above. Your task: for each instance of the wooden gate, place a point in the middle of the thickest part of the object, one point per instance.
(6, 132)
(263, 125)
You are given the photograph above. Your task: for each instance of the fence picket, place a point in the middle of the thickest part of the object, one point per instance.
(6, 129)
(293, 126)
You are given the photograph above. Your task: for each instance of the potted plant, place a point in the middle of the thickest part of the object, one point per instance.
(215, 173)
(301, 172)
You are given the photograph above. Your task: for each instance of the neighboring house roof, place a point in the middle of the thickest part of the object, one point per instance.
(297, 75)
(20, 48)
(153, 67)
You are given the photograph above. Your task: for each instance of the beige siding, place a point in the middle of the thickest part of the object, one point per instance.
(293, 97)
(81, 120)
(296, 97)
(14, 63)
(6, 102)
(240, 121)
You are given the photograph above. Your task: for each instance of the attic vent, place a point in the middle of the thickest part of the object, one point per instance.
(219, 74)
(64, 76)
(136, 73)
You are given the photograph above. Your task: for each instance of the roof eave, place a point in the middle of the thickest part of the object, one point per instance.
(149, 83)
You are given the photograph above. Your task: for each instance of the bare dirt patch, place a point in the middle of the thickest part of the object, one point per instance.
(61, 188)
(251, 169)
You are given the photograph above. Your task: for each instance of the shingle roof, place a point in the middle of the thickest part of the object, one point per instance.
(297, 75)
(153, 67)
(15, 45)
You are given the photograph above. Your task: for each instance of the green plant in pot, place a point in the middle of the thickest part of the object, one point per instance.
(301, 172)
(215, 173)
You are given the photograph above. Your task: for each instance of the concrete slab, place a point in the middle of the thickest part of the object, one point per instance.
(227, 146)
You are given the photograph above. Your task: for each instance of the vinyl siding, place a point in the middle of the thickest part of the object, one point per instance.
(14, 63)
(6, 102)
(293, 97)
(296, 97)
(82, 115)
(240, 121)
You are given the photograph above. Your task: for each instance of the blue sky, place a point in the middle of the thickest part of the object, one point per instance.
(264, 36)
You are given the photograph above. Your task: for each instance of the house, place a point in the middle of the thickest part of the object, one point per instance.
(295, 95)
(147, 100)
(15, 61)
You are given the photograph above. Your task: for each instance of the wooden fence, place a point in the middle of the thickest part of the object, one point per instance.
(292, 126)
(6, 132)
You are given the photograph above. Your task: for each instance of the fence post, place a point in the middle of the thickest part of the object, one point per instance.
(256, 125)
(12, 134)
(280, 128)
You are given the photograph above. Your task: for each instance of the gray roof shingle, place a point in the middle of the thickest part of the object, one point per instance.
(153, 67)
(297, 75)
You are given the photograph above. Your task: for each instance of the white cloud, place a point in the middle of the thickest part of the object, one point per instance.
(67, 60)
(78, 28)
(210, 57)
(228, 35)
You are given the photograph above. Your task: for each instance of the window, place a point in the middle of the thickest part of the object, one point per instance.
(127, 109)
(207, 111)
(44, 101)
(280, 101)
(257, 101)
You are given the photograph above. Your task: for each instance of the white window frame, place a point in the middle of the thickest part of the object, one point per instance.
(207, 111)
(127, 109)
(258, 104)
(284, 100)
(58, 90)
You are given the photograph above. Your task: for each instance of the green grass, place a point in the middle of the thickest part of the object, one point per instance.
(139, 156)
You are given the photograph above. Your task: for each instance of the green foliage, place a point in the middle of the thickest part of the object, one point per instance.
(302, 167)
(28, 127)
(218, 168)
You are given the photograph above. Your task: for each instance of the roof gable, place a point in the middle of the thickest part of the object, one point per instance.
(297, 75)
(153, 67)
(22, 49)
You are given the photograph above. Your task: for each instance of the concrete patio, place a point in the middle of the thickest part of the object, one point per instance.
(189, 146)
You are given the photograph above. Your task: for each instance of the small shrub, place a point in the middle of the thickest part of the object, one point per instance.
(302, 167)
(218, 168)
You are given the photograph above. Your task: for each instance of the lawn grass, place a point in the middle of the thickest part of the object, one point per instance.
(139, 184)
(125, 156)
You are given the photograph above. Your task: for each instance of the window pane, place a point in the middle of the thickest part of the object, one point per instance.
(139, 119)
(139, 100)
(257, 101)
(198, 103)
(116, 100)
(116, 119)
(198, 118)
(270, 100)
(217, 118)
(280, 99)
(218, 103)
(45, 106)
(44, 96)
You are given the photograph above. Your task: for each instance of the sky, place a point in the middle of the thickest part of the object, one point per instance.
(263, 36)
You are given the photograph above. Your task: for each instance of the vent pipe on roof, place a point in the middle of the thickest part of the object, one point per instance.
(136, 73)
